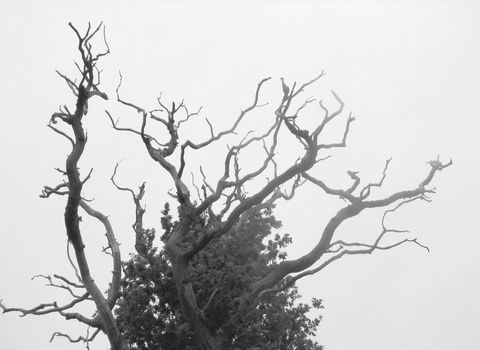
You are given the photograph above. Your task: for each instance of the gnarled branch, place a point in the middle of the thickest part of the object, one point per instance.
(324, 245)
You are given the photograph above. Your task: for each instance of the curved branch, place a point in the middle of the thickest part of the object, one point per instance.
(61, 286)
(336, 192)
(324, 245)
(114, 291)
(48, 308)
(86, 339)
(143, 237)
(87, 88)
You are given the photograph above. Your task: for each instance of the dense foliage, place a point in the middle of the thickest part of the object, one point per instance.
(149, 312)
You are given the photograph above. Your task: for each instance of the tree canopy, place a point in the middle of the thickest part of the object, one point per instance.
(149, 313)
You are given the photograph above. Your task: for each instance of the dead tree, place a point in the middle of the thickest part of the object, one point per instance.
(224, 202)
(84, 90)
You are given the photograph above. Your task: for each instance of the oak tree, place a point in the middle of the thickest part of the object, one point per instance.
(213, 214)
(149, 310)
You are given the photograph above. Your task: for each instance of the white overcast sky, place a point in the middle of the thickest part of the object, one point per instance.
(409, 71)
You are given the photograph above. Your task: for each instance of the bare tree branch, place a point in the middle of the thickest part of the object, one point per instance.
(340, 244)
(86, 339)
(114, 291)
(60, 132)
(365, 192)
(143, 236)
(61, 286)
(215, 137)
(47, 308)
(47, 191)
(84, 90)
(67, 281)
(324, 245)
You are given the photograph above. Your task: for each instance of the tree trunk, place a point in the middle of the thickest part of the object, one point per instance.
(190, 309)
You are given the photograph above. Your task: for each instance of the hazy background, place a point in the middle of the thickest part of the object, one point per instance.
(408, 71)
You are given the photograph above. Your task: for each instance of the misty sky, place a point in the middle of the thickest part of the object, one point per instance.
(408, 71)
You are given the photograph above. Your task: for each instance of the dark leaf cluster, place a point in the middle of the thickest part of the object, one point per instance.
(149, 311)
